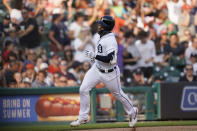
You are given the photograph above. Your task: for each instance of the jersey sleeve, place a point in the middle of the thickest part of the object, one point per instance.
(111, 45)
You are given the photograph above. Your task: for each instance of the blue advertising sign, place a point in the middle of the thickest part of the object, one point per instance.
(18, 108)
(189, 98)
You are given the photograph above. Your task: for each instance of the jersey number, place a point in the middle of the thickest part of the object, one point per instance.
(100, 49)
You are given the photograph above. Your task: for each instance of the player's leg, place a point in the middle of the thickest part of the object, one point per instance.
(90, 80)
(115, 88)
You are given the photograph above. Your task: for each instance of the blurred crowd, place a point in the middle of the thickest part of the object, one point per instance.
(42, 42)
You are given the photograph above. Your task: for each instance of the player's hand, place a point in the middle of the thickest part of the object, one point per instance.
(90, 54)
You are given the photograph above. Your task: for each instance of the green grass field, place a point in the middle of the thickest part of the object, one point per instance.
(63, 127)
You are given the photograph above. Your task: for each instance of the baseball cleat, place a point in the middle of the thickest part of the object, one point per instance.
(78, 122)
(133, 120)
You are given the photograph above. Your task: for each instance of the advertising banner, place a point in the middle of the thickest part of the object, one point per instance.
(189, 98)
(178, 101)
(52, 107)
(18, 108)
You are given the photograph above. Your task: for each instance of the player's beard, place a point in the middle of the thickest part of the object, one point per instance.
(103, 32)
(100, 32)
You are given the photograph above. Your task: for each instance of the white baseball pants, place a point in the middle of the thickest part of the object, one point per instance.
(111, 81)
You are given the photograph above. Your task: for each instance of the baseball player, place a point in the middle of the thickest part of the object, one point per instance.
(104, 70)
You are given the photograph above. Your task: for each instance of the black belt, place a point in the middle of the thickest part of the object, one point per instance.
(107, 71)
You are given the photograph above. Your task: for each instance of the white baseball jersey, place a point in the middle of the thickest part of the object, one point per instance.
(104, 46)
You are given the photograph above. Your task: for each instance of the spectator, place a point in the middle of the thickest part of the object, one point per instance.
(30, 72)
(79, 22)
(63, 82)
(137, 78)
(188, 77)
(18, 78)
(43, 66)
(9, 73)
(81, 4)
(31, 57)
(76, 26)
(76, 71)
(12, 83)
(150, 27)
(186, 21)
(63, 71)
(146, 7)
(44, 57)
(58, 33)
(187, 37)
(1, 33)
(193, 59)
(2, 71)
(26, 82)
(131, 53)
(38, 63)
(28, 34)
(174, 10)
(162, 22)
(54, 66)
(68, 56)
(6, 25)
(1, 60)
(117, 8)
(147, 53)
(81, 43)
(39, 82)
(86, 66)
(9, 46)
(56, 77)
(191, 50)
(102, 7)
(15, 12)
(11, 36)
(12, 56)
(49, 77)
(172, 29)
(173, 48)
(38, 10)
(161, 42)
(159, 79)
(68, 5)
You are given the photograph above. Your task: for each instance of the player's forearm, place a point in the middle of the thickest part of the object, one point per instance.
(105, 59)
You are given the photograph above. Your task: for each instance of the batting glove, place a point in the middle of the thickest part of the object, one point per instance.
(90, 54)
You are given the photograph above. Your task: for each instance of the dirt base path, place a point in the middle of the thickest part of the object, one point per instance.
(159, 128)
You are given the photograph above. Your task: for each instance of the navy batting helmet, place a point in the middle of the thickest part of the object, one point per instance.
(107, 22)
